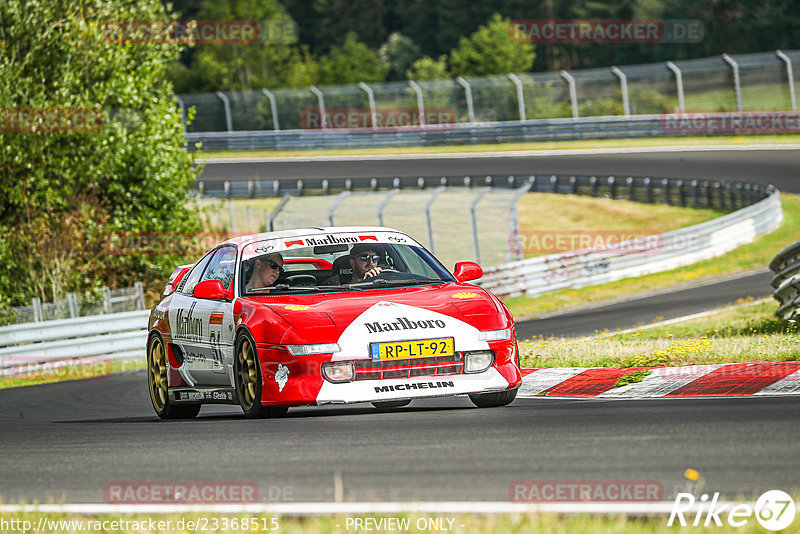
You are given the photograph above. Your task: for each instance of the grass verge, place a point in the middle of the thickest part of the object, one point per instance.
(744, 333)
(47, 373)
(542, 145)
(755, 255)
(461, 524)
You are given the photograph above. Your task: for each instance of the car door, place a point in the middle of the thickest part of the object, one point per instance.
(213, 361)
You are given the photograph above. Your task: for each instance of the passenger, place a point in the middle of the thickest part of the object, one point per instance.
(266, 269)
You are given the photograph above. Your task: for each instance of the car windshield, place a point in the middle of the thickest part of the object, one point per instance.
(351, 265)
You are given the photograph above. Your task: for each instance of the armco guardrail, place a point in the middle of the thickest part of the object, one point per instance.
(786, 266)
(457, 134)
(673, 249)
(113, 336)
(679, 192)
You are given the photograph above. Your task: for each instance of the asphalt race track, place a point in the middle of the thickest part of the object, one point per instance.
(640, 311)
(776, 167)
(65, 442)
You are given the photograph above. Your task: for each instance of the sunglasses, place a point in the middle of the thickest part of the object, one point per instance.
(369, 257)
(274, 266)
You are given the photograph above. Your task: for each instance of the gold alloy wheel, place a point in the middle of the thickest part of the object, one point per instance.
(157, 373)
(247, 374)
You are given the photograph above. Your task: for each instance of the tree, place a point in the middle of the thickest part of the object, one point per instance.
(490, 50)
(426, 68)
(96, 150)
(352, 62)
(273, 61)
(397, 54)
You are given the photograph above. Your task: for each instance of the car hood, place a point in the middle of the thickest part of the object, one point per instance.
(336, 311)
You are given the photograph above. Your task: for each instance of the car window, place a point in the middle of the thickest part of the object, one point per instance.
(191, 279)
(222, 266)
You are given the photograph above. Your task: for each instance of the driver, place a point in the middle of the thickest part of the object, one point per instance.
(364, 258)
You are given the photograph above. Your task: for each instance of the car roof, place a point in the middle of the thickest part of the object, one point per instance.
(311, 230)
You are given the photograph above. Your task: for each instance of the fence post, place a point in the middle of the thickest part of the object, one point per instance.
(325, 186)
(593, 183)
(428, 205)
(631, 192)
(227, 105)
(338, 202)
(274, 213)
(790, 76)
(72, 303)
(623, 83)
(515, 229)
(384, 203)
(183, 110)
(273, 108)
(573, 93)
(474, 220)
(468, 93)
(371, 98)
(37, 309)
(666, 183)
(107, 301)
(681, 197)
(648, 190)
(695, 194)
(679, 82)
(139, 295)
(612, 187)
(230, 207)
(321, 102)
(420, 101)
(737, 87)
(520, 95)
(553, 183)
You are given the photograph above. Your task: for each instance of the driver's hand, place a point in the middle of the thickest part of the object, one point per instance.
(375, 271)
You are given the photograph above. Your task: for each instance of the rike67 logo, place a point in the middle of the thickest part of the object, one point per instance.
(774, 510)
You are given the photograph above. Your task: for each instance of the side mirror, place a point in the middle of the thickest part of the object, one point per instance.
(465, 271)
(212, 290)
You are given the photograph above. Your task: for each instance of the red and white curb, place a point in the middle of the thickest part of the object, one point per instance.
(720, 380)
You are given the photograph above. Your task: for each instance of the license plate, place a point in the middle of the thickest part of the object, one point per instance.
(423, 348)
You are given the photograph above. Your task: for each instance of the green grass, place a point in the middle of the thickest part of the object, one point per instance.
(745, 258)
(91, 371)
(586, 215)
(541, 145)
(462, 524)
(745, 333)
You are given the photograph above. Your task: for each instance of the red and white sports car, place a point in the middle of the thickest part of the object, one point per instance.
(326, 316)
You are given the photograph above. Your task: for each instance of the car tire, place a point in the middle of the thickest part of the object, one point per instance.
(158, 387)
(247, 378)
(385, 405)
(489, 400)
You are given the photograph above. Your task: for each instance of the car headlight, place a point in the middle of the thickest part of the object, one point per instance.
(338, 371)
(320, 348)
(495, 335)
(478, 361)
